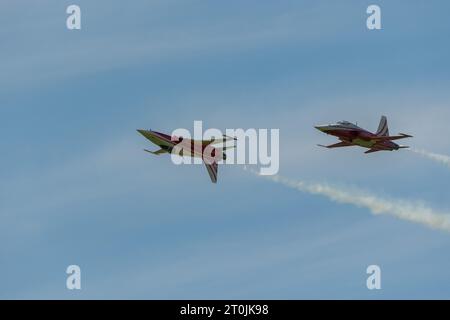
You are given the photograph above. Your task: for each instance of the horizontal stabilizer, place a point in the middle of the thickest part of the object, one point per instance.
(406, 135)
(229, 138)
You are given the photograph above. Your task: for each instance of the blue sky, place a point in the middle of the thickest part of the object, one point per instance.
(76, 188)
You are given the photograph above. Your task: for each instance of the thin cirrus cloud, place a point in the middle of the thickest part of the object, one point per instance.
(99, 49)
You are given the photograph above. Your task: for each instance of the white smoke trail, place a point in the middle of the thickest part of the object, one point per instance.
(433, 156)
(402, 209)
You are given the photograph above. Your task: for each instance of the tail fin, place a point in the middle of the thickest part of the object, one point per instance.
(383, 129)
(212, 171)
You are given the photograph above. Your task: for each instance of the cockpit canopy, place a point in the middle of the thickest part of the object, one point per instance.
(345, 123)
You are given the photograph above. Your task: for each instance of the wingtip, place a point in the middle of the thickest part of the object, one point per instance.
(225, 136)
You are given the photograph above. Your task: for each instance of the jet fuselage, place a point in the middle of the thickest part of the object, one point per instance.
(354, 135)
(190, 148)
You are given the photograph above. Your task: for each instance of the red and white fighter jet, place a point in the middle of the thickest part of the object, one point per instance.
(204, 149)
(352, 135)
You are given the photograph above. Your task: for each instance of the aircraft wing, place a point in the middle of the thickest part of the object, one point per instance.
(337, 145)
(217, 140)
(160, 151)
(400, 136)
(212, 171)
(373, 150)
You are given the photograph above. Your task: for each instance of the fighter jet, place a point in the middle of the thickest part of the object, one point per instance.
(352, 135)
(192, 148)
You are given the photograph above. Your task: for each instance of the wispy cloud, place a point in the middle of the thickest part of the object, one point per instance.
(413, 211)
(42, 61)
(441, 158)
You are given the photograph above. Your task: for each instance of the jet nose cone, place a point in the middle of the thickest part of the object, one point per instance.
(320, 128)
(143, 132)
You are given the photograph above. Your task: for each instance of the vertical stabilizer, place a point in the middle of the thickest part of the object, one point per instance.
(383, 129)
